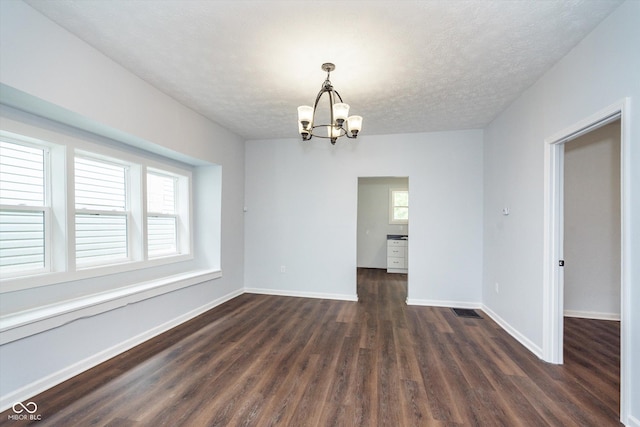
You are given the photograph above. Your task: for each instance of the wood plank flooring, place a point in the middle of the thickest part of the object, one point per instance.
(262, 360)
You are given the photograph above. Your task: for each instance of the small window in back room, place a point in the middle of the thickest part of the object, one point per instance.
(398, 206)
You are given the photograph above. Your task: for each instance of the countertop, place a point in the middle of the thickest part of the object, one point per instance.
(397, 237)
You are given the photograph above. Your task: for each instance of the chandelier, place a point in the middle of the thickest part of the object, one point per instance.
(338, 114)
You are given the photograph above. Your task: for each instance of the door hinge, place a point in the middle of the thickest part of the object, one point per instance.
(561, 263)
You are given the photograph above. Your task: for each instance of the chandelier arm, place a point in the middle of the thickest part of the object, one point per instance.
(331, 121)
(315, 106)
(320, 135)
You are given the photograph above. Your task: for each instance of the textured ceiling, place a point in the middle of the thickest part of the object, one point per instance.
(405, 66)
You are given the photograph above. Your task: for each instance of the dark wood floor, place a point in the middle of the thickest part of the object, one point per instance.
(262, 360)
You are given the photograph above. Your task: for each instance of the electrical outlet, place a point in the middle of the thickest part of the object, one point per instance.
(283, 269)
(497, 288)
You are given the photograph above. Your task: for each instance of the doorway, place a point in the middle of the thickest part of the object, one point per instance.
(592, 216)
(554, 237)
(376, 225)
(591, 251)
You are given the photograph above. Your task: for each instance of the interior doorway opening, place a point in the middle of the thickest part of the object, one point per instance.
(553, 260)
(592, 260)
(383, 227)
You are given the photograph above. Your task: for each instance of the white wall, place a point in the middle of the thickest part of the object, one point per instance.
(373, 219)
(602, 70)
(48, 71)
(592, 224)
(302, 213)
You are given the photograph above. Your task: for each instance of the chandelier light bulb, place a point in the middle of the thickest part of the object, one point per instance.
(305, 116)
(340, 112)
(304, 132)
(333, 132)
(355, 124)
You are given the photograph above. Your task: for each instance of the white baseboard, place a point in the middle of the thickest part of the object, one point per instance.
(30, 390)
(632, 422)
(592, 315)
(287, 293)
(530, 345)
(440, 303)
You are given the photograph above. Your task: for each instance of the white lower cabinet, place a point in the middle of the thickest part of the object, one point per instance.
(397, 256)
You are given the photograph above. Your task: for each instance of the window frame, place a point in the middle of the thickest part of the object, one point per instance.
(60, 238)
(125, 213)
(392, 206)
(181, 191)
(46, 202)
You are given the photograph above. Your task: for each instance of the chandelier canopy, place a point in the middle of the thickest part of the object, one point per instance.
(338, 115)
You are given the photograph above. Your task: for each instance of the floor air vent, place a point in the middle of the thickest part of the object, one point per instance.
(466, 312)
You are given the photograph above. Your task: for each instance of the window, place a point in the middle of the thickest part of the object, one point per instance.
(23, 208)
(81, 209)
(162, 218)
(398, 207)
(101, 212)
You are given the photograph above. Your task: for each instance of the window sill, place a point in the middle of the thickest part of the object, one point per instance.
(22, 324)
(19, 283)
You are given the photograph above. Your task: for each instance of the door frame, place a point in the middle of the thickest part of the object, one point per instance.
(358, 178)
(553, 281)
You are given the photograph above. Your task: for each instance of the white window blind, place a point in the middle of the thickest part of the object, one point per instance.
(100, 185)
(22, 241)
(162, 218)
(22, 213)
(21, 175)
(101, 212)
